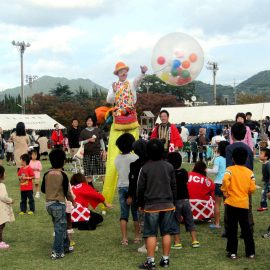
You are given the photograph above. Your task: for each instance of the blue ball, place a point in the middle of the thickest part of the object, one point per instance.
(176, 63)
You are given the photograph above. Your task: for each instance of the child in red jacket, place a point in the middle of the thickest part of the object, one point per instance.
(26, 176)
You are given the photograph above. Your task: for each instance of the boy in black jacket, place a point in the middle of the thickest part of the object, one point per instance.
(182, 202)
(156, 196)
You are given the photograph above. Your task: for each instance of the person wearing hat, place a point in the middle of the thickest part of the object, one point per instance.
(123, 96)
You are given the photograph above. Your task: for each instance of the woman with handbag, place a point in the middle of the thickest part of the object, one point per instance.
(94, 153)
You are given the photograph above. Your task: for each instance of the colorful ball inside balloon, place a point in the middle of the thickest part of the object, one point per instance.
(186, 64)
(176, 63)
(173, 49)
(174, 72)
(165, 77)
(180, 81)
(179, 71)
(178, 54)
(193, 58)
(185, 74)
(161, 60)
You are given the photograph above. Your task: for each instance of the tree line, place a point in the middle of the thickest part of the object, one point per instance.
(62, 104)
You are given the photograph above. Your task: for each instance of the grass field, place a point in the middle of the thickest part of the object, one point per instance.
(31, 237)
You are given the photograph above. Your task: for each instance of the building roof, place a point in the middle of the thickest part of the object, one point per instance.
(215, 114)
(31, 121)
(148, 114)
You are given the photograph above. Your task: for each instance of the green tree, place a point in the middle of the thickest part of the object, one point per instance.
(153, 84)
(62, 91)
(81, 95)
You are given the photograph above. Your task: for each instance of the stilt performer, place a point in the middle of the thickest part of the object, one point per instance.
(123, 96)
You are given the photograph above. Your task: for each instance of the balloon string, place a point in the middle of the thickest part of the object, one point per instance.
(157, 71)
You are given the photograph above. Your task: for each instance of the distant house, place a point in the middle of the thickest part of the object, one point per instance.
(147, 120)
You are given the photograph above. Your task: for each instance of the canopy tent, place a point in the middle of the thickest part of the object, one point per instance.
(215, 114)
(31, 121)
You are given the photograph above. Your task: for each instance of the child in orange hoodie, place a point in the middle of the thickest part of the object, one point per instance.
(238, 183)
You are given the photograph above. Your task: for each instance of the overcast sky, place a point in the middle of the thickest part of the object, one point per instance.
(85, 38)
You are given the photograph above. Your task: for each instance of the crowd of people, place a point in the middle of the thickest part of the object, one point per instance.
(151, 181)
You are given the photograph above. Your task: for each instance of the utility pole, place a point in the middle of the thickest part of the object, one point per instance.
(21, 46)
(30, 80)
(235, 92)
(214, 67)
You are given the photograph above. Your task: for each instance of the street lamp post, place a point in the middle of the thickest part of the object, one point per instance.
(21, 46)
(214, 67)
(147, 85)
(30, 80)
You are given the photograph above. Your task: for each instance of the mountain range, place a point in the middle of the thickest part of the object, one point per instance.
(258, 84)
(45, 83)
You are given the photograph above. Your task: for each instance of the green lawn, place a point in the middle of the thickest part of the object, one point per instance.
(31, 237)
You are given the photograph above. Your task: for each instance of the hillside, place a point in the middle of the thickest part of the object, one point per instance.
(258, 84)
(205, 92)
(46, 83)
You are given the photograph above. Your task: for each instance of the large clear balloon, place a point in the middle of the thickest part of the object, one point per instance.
(177, 59)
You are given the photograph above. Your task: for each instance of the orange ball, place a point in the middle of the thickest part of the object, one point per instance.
(193, 57)
(186, 64)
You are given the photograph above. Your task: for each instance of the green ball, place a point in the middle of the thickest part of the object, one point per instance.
(185, 74)
(174, 72)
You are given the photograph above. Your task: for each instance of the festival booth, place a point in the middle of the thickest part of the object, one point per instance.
(210, 117)
(31, 121)
(222, 114)
(214, 117)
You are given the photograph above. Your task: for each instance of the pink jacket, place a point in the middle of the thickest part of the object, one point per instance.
(247, 140)
(36, 167)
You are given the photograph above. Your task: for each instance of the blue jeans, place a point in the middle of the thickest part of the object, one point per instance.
(264, 194)
(165, 221)
(124, 207)
(58, 213)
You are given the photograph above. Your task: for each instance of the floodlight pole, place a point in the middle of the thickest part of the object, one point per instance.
(30, 80)
(214, 67)
(21, 46)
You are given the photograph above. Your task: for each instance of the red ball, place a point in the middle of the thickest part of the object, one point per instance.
(161, 60)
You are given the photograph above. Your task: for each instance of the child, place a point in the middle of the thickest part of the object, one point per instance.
(238, 133)
(182, 202)
(122, 164)
(202, 142)
(69, 208)
(267, 234)
(264, 158)
(6, 212)
(55, 185)
(10, 152)
(237, 185)
(219, 170)
(156, 196)
(85, 196)
(26, 176)
(139, 148)
(37, 168)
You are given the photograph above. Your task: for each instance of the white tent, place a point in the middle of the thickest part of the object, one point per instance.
(215, 114)
(31, 121)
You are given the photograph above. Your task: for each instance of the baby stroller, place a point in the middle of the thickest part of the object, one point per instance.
(74, 164)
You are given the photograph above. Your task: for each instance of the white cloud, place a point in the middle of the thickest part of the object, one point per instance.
(46, 13)
(131, 42)
(54, 68)
(67, 4)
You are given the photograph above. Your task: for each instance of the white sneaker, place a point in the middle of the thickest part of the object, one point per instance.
(37, 196)
(144, 250)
